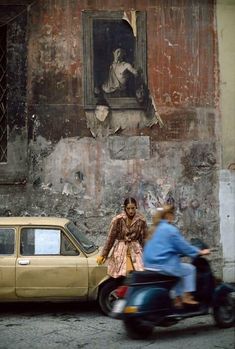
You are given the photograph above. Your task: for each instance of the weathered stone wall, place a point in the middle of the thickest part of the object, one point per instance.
(15, 170)
(80, 169)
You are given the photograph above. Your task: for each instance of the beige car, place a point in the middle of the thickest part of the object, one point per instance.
(50, 259)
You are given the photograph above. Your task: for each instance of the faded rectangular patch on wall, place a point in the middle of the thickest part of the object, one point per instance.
(126, 148)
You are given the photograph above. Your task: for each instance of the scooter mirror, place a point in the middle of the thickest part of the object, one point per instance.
(199, 243)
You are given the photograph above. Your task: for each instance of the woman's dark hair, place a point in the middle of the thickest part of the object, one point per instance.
(130, 201)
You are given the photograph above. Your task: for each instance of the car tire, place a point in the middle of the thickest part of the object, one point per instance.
(107, 295)
(138, 328)
(224, 313)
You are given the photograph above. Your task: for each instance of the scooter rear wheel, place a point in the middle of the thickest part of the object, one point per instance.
(224, 313)
(138, 328)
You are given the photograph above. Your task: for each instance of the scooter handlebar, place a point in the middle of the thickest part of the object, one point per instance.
(199, 243)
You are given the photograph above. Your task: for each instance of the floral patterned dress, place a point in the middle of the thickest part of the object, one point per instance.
(124, 244)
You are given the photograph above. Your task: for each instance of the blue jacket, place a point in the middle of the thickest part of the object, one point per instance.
(162, 252)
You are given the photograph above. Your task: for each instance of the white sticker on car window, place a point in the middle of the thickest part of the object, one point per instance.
(47, 241)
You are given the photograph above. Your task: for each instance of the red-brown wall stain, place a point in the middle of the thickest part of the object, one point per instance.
(181, 49)
(181, 55)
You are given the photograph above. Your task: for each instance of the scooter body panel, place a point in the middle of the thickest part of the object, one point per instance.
(149, 299)
(220, 294)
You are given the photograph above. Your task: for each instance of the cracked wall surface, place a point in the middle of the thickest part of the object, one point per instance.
(82, 166)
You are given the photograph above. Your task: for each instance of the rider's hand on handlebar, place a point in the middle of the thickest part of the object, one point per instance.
(205, 252)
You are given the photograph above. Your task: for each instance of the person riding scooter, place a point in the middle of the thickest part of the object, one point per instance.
(162, 253)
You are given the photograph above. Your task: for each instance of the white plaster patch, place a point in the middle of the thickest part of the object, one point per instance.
(120, 120)
(227, 222)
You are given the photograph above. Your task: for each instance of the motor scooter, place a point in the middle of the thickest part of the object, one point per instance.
(145, 300)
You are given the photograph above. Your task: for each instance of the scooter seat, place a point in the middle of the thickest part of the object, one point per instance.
(152, 277)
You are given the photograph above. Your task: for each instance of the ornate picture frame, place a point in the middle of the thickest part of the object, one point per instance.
(107, 34)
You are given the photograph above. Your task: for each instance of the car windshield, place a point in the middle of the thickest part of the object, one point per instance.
(86, 244)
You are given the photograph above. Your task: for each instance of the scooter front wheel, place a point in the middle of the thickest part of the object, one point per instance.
(224, 313)
(138, 328)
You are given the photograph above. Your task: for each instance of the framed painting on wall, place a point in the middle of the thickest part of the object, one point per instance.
(114, 56)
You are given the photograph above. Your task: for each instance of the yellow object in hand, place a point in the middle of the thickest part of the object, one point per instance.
(100, 260)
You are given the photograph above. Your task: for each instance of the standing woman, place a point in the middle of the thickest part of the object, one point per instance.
(126, 238)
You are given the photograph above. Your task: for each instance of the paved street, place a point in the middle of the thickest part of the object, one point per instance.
(75, 325)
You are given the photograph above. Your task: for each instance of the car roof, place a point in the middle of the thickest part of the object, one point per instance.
(33, 221)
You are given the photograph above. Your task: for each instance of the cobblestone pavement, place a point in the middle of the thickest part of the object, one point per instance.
(76, 325)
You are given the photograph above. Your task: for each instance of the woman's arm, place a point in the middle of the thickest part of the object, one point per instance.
(144, 234)
(113, 230)
(131, 69)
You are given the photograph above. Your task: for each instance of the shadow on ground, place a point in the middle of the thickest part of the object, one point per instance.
(48, 308)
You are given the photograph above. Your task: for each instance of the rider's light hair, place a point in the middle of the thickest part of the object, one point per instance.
(160, 214)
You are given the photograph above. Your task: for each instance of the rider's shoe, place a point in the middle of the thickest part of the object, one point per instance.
(178, 304)
(188, 299)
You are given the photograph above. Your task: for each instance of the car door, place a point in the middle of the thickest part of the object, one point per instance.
(7, 262)
(50, 265)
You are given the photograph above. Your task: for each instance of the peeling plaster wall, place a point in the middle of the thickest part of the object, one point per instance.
(93, 176)
(85, 176)
(15, 170)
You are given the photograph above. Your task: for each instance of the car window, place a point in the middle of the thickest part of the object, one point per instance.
(85, 243)
(67, 248)
(7, 241)
(45, 241)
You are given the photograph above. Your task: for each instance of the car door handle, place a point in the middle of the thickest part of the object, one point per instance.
(23, 262)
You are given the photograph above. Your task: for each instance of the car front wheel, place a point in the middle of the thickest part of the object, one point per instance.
(107, 295)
